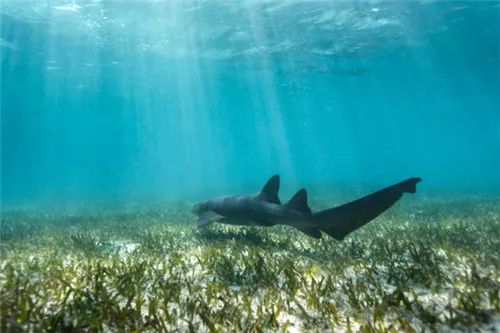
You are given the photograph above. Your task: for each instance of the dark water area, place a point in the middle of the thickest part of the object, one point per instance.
(119, 102)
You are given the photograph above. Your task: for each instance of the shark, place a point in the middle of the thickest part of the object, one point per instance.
(266, 209)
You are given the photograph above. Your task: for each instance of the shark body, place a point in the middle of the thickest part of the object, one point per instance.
(265, 209)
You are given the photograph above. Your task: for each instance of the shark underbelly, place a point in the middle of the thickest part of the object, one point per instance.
(234, 221)
(264, 217)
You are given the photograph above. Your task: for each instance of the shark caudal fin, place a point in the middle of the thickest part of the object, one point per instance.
(338, 222)
(270, 190)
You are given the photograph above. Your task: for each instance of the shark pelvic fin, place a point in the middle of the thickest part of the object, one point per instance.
(299, 202)
(208, 217)
(270, 190)
(311, 231)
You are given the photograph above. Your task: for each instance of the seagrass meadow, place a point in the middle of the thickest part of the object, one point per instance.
(429, 265)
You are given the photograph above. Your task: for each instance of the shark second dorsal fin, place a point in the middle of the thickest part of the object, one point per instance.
(299, 202)
(270, 190)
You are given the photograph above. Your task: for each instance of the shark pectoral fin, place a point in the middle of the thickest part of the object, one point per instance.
(270, 190)
(208, 217)
(311, 231)
(299, 202)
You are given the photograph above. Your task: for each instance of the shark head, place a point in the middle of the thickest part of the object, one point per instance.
(205, 211)
(201, 207)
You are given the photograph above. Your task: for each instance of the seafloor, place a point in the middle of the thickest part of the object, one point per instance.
(426, 265)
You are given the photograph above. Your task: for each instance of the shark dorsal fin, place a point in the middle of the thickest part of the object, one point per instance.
(299, 202)
(270, 190)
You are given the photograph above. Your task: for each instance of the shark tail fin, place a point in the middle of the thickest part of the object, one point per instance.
(340, 221)
(299, 202)
(409, 185)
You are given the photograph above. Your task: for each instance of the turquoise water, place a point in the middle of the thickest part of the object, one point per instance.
(116, 116)
(137, 101)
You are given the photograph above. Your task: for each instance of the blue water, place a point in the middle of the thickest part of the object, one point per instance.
(124, 101)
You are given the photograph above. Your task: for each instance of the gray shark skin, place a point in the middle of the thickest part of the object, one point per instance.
(265, 209)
